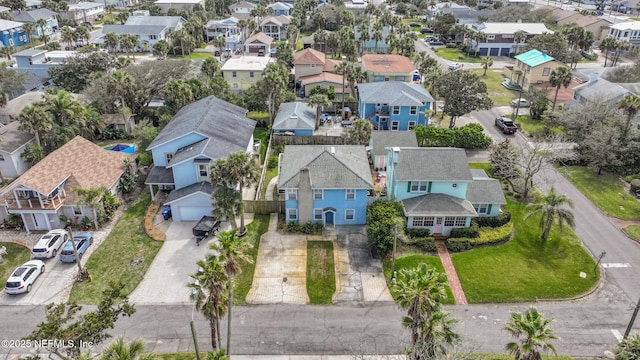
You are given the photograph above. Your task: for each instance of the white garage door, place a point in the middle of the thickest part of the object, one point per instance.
(193, 213)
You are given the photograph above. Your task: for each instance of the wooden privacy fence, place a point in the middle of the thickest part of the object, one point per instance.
(263, 207)
(308, 140)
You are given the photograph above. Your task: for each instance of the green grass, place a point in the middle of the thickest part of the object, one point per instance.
(500, 95)
(487, 356)
(412, 261)
(270, 174)
(321, 274)
(481, 166)
(262, 134)
(531, 126)
(125, 255)
(242, 282)
(525, 269)
(16, 256)
(199, 56)
(633, 231)
(605, 191)
(455, 54)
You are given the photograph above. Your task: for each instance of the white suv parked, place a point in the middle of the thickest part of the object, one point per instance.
(50, 243)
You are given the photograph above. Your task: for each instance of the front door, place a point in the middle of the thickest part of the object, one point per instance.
(39, 221)
(437, 228)
(328, 218)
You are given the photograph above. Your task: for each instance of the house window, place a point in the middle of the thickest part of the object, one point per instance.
(507, 36)
(461, 221)
(292, 194)
(481, 208)
(395, 125)
(235, 85)
(313, 65)
(412, 124)
(395, 110)
(317, 214)
(234, 74)
(318, 194)
(419, 186)
(422, 221)
(77, 210)
(203, 170)
(1, 157)
(11, 42)
(449, 221)
(454, 185)
(350, 194)
(349, 214)
(491, 37)
(546, 71)
(251, 74)
(153, 37)
(292, 214)
(413, 110)
(168, 157)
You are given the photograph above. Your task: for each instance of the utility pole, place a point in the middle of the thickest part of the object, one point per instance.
(393, 256)
(633, 320)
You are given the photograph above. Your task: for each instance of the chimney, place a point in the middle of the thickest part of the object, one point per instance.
(333, 150)
(305, 197)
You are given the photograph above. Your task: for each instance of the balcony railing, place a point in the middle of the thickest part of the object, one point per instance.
(34, 204)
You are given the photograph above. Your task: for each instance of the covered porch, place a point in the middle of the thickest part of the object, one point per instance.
(440, 213)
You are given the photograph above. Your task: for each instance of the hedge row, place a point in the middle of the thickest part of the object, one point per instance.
(417, 232)
(490, 235)
(471, 232)
(426, 244)
(492, 221)
(308, 228)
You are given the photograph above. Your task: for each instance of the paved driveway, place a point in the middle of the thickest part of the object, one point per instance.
(166, 280)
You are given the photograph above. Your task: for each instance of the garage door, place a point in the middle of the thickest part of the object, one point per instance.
(193, 213)
(505, 52)
(483, 51)
(255, 49)
(494, 51)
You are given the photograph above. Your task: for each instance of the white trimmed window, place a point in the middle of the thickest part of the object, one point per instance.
(395, 125)
(168, 156)
(350, 194)
(77, 210)
(412, 124)
(419, 186)
(413, 110)
(203, 170)
(491, 37)
(292, 214)
(395, 110)
(481, 208)
(317, 214)
(422, 221)
(349, 214)
(234, 74)
(460, 221)
(251, 74)
(292, 194)
(546, 71)
(318, 194)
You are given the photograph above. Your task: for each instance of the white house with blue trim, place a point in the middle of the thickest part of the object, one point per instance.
(296, 117)
(437, 189)
(325, 184)
(200, 133)
(394, 105)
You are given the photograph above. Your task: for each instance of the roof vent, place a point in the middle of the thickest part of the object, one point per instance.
(333, 150)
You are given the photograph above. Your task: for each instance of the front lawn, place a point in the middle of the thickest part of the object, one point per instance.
(633, 231)
(199, 56)
(16, 256)
(525, 269)
(532, 127)
(457, 55)
(321, 274)
(242, 282)
(605, 191)
(500, 95)
(412, 261)
(125, 255)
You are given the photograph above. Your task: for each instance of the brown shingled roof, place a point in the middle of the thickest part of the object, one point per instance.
(308, 56)
(84, 163)
(381, 63)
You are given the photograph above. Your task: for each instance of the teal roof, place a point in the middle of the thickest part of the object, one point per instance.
(534, 58)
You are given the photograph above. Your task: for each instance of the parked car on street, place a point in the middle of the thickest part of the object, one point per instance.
(22, 278)
(454, 66)
(506, 125)
(82, 241)
(520, 103)
(436, 43)
(426, 31)
(50, 243)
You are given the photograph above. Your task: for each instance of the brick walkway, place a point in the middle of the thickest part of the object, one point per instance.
(454, 282)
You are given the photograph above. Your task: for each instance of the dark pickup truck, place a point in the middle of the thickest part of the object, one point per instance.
(205, 227)
(506, 125)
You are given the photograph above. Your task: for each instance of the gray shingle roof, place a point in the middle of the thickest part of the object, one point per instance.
(133, 29)
(223, 123)
(32, 15)
(484, 190)
(601, 89)
(396, 93)
(432, 164)
(189, 152)
(12, 138)
(168, 21)
(437, 204)
(295, 116)
(348, 168)
(8, 24)
(159, 175)
(384, 139)
(177, 194)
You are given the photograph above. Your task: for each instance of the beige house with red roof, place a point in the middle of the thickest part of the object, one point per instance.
(325, 80)
(46, 190)
(312, 62)
(382, 67)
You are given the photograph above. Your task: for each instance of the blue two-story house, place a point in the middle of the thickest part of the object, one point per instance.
(12, 34)
(325, 184)
(394, 105)
(200, 133)
(437, 189)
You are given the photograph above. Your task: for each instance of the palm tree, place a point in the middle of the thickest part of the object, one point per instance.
(532, 332)
(356, 75)
(242, 171)
(607, 45)
(7, 51)
(552, 207)
(64, 108)
(210, 67)
(161, 49)
(34, 119)
(629, 348)
(430, 79)
(377, 37)
(319, 101)
(122, 17)
(120, 350)
(42, 24)
(559, 77)
(112, 40)
(343, 68)
(233, 249)
(129, 42)
(518, 38)
(91, 197)
(227, 202)
(68, 36)
(209, 295)
(83, 33)
(486, 62)
(29, 29)
(630, 105)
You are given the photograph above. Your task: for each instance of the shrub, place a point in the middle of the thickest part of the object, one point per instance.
(492, 221)
(381, 215)
(273, 162)
(630, 178)
(451, 45)
(306, 228)
(418, 232)
(635, 186)
(467, 232)
(458, 245)
(492, 235)
(426, 244)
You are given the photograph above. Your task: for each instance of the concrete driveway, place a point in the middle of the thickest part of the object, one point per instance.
(168, 276)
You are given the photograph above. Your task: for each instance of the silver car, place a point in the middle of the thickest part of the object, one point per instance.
(49, 244)
(22, 278)
(520, 103)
